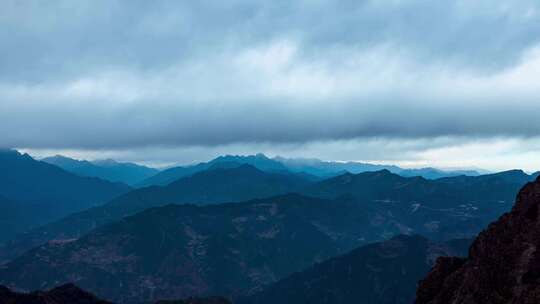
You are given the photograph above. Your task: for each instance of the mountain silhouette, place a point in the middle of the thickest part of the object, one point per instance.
(110, 170)
(215, 185)
(259, 161)
(39, 192)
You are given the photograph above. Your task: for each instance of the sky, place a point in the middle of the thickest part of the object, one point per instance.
(452, 84)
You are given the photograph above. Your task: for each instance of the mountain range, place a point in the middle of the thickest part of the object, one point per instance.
(215, 185)
(456, 207)
(256, 242)
(332, 168)
(176, 251)
(259, 230)
(128, 173)
(33, 193)
(259, 161)
(312, 168)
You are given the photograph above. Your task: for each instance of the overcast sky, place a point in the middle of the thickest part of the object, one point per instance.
(416, 83)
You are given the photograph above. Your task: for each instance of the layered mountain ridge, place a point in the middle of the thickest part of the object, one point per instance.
(455, 207)
(37, 192)
(128, 173)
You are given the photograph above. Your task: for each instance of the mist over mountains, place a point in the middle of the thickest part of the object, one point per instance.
(243, 227)
(108, 169)
(269, 152)
(34, 192)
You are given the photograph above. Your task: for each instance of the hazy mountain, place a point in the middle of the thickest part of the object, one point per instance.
(379, 273)
(110, 170)
(329, 168)
(313, 168)
(503, 265)
(259, 161)
(332, 168)
(456, 207)
(36, 192)
(211, 186)
(434, 173)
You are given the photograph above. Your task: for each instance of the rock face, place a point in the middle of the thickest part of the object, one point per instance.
(380, 273)
(503, 265)
(65, 294)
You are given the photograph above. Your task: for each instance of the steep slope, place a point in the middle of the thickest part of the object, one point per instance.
(503, 265)
(178, 251)
(379, 273)
(259, 161)
(110, 170)
(47, 190)
(64, 294)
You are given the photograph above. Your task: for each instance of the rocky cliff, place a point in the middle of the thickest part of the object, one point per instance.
(503, 265)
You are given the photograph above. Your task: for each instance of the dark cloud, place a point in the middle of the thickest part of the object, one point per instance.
(123, 75)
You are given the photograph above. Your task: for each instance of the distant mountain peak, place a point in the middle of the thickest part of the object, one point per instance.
(108, 169)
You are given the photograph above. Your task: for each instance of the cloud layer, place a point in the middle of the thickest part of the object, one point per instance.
(102, 75)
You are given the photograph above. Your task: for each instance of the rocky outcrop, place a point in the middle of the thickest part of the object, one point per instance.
(503, 265)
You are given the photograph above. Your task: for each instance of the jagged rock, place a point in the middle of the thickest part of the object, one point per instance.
(503, 265)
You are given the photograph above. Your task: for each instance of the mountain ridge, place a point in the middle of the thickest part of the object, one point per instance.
(44, 192)
(108, 169)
